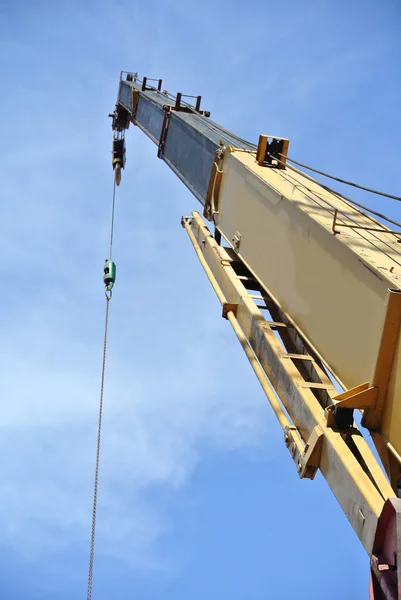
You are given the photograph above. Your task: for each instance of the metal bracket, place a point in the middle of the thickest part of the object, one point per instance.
(213, 190)
(339, 415)
(146, 87)
(134, 104)
(236, 240)
(179, 107)
(380, 230)
(163, 133)
(227, 307)
(272, 153)
(360, 397)
(185, 221)
(121, 118)
(306, 456)
(131, 77)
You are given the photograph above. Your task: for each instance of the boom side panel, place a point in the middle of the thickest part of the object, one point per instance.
(191, 139)
(333, 286)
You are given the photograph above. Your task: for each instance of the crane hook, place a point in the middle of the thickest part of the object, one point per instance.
(117, 173)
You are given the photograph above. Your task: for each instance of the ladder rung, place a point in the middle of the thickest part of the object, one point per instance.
(298, 356)
(250, 283)
(314, 385)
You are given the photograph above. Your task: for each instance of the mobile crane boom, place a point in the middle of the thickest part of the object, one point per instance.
(311, 285)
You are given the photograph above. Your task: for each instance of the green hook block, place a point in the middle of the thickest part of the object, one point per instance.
(109, 275)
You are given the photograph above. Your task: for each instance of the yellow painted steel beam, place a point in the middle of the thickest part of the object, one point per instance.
(229, 314)
(340, 288)
(344, 459)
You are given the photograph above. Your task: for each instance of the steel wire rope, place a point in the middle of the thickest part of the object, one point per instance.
(344, 181)
(308, 193)
(108, 294)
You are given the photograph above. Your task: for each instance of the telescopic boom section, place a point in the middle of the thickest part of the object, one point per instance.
(311, 286)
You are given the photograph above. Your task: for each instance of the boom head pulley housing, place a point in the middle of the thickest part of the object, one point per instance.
(118, 155)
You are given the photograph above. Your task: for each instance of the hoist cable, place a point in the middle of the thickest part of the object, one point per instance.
(349, 200)
(355, 185)
(341, 196)
(112, 220)
(99, 435)
(108, 294)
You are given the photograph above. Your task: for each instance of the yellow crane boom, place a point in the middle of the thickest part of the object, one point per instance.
(311, 286)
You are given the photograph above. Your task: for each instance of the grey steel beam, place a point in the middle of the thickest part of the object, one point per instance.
(191, 139)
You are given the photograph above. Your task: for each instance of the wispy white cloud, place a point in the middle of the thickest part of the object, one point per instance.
(159, 411)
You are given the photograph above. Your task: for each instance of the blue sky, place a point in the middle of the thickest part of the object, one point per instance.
(198, 495)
